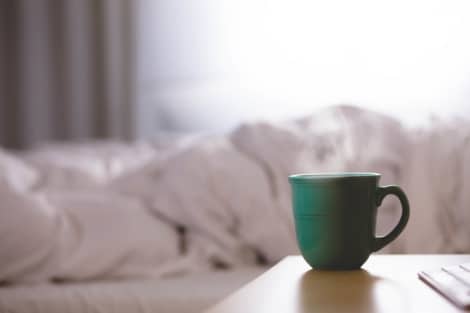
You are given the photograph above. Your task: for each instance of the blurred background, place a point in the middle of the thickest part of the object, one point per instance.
(87, 69)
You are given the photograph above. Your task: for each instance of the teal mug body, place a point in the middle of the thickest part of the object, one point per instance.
(335, 217)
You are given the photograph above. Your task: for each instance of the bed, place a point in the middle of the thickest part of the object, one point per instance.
(174, 224)
(184, 293)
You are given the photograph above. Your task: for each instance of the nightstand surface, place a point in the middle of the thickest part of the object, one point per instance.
(386, 283)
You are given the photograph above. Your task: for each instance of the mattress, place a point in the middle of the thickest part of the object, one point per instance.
(187, 293)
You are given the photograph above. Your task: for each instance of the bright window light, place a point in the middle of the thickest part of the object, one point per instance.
(279, 58)
(400, 56)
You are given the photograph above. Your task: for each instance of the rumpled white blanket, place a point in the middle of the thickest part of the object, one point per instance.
(111, 210)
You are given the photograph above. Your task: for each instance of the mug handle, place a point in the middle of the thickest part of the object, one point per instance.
(381, 193)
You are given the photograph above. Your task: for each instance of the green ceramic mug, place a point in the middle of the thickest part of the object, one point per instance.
(335, 217)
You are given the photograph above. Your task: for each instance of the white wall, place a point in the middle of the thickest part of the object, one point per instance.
(207, 64)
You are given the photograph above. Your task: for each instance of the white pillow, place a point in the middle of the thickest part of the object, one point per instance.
(15, 174)
(65, 166)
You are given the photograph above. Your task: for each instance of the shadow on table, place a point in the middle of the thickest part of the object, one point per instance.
(337, 291)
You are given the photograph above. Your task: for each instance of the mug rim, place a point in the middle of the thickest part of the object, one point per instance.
(330, 176)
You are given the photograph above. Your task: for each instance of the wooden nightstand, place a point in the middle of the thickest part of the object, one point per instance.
(386, 283)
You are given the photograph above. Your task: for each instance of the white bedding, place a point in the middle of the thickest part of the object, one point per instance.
(113, 210)
(181, 294)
